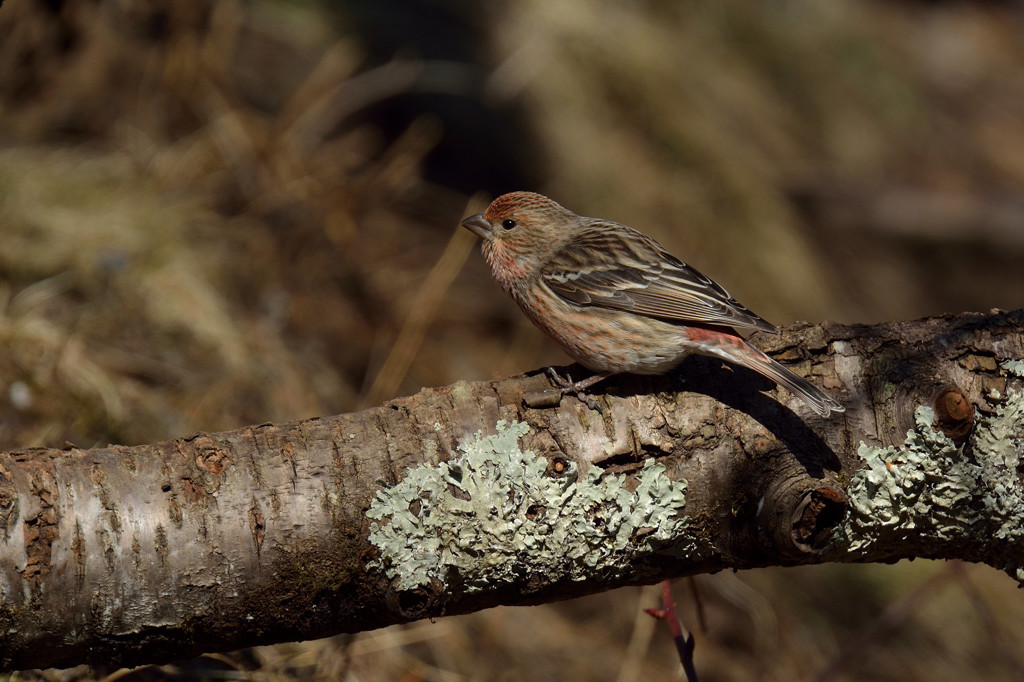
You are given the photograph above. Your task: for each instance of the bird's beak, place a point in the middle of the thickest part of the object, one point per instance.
(478, 225)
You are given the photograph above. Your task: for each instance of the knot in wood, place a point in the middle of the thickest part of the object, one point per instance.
(423, 602)
(816, 517)
(954, 413)
(798, 517)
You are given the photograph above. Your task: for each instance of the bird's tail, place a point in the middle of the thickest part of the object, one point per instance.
(797, 385)
(725, 343)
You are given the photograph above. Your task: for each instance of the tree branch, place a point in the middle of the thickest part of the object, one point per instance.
(461, 498)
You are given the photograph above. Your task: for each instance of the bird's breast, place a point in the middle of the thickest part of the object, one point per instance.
(601, 339)
(509, 267)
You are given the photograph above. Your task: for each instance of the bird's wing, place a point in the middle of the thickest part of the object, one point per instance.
(613, 266)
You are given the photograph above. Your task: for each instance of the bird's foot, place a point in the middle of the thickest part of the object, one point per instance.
(565, 383)
(567, 386)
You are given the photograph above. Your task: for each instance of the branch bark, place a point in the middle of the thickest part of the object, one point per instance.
(461, 498)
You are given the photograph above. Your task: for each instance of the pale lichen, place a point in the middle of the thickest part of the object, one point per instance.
(902, 490)
(930, 489)
(1013, 367)
(999, 448)
(496, 514)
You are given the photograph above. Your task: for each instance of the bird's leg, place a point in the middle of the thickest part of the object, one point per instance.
(567, 385)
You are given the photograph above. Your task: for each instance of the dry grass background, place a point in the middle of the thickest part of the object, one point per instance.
(215, 214)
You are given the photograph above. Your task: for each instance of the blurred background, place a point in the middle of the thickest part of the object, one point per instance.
(215, 214)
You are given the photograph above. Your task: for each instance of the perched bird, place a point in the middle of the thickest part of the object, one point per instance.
(614, 299)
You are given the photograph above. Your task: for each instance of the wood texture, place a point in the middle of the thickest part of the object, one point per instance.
(219, 541)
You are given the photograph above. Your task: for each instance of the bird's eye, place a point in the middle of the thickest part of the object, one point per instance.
(508, 223)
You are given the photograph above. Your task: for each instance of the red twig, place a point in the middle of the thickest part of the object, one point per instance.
(684, 642)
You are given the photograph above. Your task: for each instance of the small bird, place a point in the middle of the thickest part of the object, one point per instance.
(614, 299)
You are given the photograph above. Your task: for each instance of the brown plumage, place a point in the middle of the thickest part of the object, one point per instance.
(614, 299)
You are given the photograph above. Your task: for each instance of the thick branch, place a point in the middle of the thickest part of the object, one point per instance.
(461, 498)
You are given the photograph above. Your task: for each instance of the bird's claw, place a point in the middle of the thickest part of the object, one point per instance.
(567, 386)
(589, 401)
(565, 383)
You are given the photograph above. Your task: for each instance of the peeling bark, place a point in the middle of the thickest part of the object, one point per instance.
(262, 534)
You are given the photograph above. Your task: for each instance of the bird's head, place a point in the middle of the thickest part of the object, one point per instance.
(518, 229)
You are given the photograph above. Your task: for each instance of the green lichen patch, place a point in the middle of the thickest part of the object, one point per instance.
(1013, 367)
(999, 447)
(928, 489)
(902, 490)
(495, 515)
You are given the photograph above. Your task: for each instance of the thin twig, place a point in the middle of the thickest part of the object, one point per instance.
(424, 308)
(685, 643)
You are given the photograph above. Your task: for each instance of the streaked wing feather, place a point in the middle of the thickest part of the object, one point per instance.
(614, 266)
